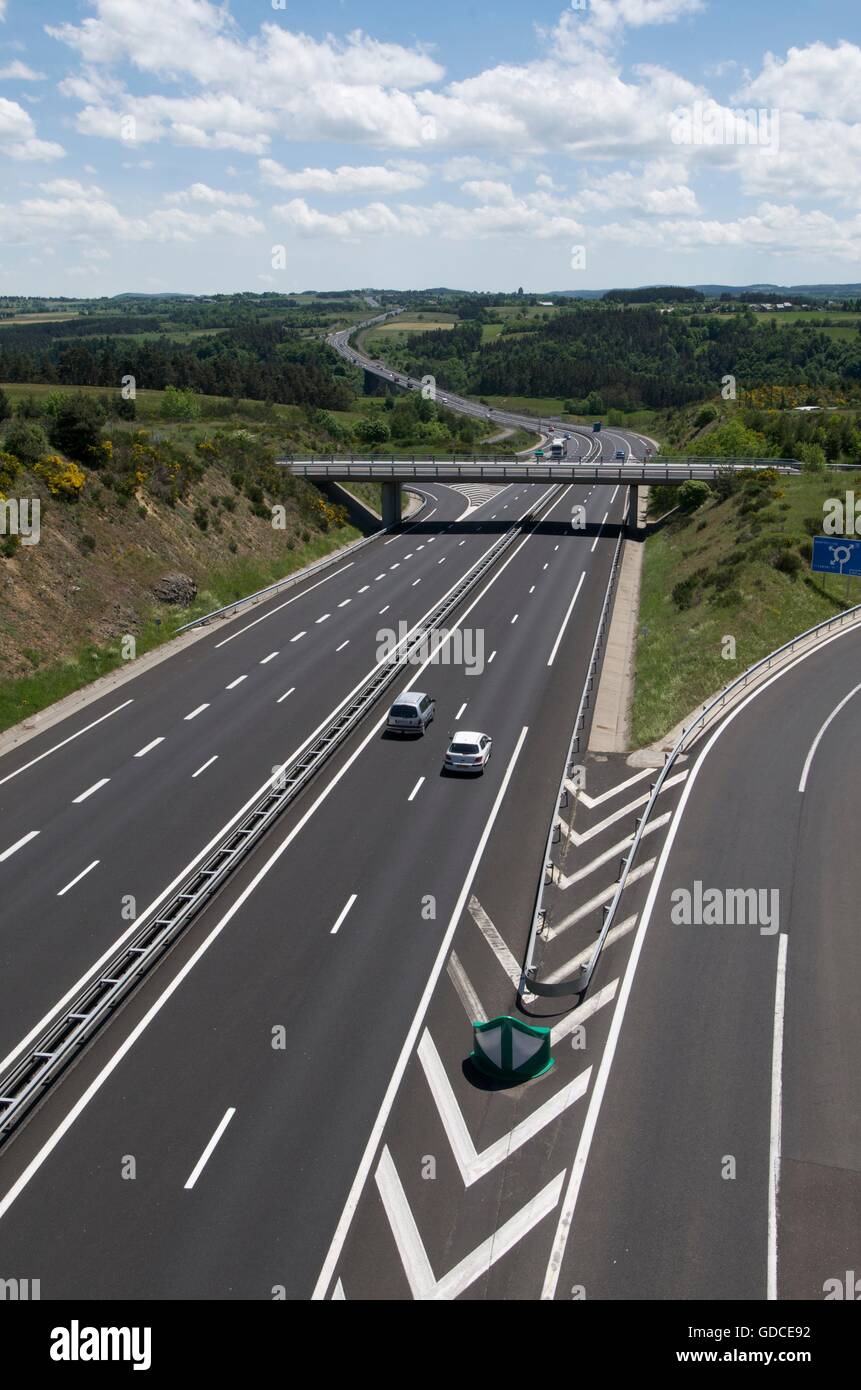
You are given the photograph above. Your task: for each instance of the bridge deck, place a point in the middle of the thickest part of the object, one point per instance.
(490, 471)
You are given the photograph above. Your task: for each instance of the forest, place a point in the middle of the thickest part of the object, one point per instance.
(637, 358)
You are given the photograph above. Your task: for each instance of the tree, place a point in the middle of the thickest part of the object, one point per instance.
(5, 406)
(27, 441)
(76, 428)
(373, 431)
(693, 494)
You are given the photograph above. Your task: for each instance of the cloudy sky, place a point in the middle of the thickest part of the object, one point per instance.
(177, 144)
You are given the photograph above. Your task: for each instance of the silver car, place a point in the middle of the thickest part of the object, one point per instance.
(468, 752)
(411, 713)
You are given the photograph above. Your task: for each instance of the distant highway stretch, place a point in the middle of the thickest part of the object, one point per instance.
(629, 442)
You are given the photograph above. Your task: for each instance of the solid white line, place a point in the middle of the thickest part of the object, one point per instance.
(344, 911)
(267, 659)
(142, 752)
(774, 1145)
(294, 599)
(238, 681)
(196, 712)
(569, 1204)
(70, 739)
(415, 789)
(212, 760)
(297, 637)
(82, 874)
(833, 715)
(565, 620)
(205, 1156)
(461, 710)
(25, 840)
(156, 903)
(343, 645)
(90, 790)
(600, 529)
(361, 1177)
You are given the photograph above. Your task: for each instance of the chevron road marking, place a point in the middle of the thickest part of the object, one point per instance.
(584, 956)
(623, 811)
(495, 942)
(603, 897)
(586, 1010)
(472, 1164)
(565, 881)
(339, 1292)
(592, 801)
(463, 984)
(417, 1267)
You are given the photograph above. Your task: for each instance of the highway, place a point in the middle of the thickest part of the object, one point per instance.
(629, 442)
(284, 1108)
(352, 837)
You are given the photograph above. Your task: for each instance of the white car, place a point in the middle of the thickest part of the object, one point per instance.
(468, 752)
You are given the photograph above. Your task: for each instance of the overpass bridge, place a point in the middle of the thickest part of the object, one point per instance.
(392, 472)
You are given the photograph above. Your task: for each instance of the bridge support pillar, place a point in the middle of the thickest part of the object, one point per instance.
(632, 518)
(391, 504)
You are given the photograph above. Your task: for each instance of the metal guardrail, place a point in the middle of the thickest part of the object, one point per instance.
(26, 1082)
(286, 583)
(580, 983)
(378, 469)
(527, 982)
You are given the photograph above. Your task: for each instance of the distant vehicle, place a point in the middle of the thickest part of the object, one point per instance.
(566, 436)
(620, 454)
(468, 752)
(411, 713)
(557, 447)
(596, 428)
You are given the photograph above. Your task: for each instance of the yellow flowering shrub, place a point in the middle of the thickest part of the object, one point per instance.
(63, 478)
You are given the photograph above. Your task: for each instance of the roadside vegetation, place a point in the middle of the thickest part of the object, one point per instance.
(732, 563)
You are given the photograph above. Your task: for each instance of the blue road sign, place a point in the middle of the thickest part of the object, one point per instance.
(834, 555)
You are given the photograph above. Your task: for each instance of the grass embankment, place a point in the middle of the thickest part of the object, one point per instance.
(740, 568)
(23, 697)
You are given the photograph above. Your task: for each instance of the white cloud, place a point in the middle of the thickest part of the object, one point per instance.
(600, 24)
(202, 193)
(813, 79)
(20, 72)
(779, 230)
(347, 178)
(18, 135)
(509, 217)
(661, 188)
(66, 210)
